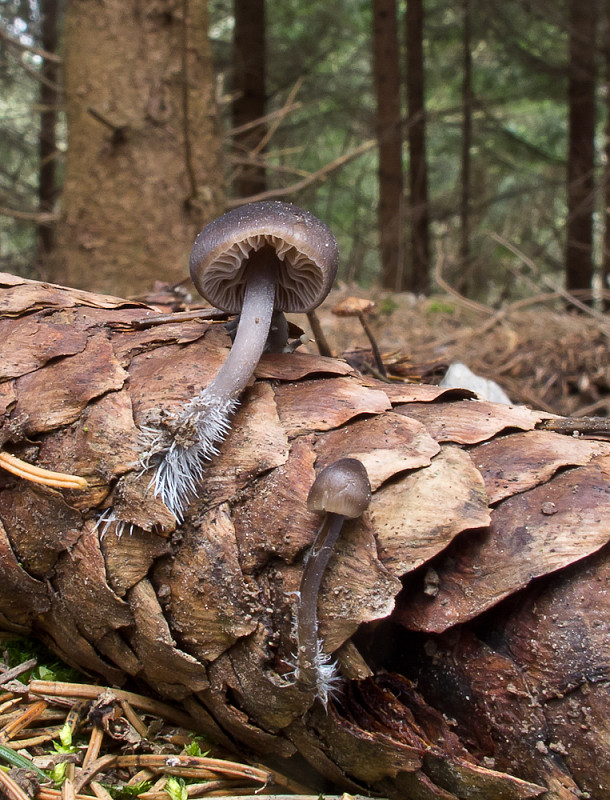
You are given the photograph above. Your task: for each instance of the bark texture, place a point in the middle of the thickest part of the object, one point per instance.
(581, 146)
(47, 139)
(467, 608)
(390, 214)
(419, 269)
(250, 88)
(143, 159)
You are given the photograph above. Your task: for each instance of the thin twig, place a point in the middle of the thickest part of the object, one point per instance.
(68, 791)
(29, 714)
(284, 111)
(315, 176)
(15, 672)
(263, 160)
(465, 301)
(94, 746)
(580, 426)
(99, 791)
(40, 217)
(178, 316)
(91, 692)
(10, 789)
(255, 123)
(29, 48)
(548, 282)
(134, 719)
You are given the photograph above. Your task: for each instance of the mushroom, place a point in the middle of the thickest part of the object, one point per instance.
(256, 261)
(358, 307)
(341, 491)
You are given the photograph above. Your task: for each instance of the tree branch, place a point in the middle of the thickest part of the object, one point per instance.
(315, 176)
(40, 217)
(28, 48)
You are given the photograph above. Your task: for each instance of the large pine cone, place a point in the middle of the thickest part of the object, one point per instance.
(467, 609)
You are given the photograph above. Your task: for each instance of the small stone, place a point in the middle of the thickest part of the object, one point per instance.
(558, 747)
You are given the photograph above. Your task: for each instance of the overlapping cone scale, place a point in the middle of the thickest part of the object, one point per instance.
(467, 608)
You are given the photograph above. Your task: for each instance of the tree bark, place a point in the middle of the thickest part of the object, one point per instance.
(606, 253)
(47, 144)
(142, 167)
(249, 84)
(465, 574)
(581, 146)
(467, 98)
(390, 175)
(419, 269)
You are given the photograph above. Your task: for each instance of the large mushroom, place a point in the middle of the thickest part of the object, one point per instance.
(257, 261)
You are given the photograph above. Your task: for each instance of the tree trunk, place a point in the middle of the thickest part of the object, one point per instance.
(418, 280)
(581, 146)
(387, 88)
(464, 574)
(47, 144)
(466, 279)
(249, 84)
(142, 167)
(606, 254)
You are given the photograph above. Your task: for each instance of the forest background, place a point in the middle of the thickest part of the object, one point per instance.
(472, 131)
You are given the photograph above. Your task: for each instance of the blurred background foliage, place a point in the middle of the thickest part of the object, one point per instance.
(320, 87)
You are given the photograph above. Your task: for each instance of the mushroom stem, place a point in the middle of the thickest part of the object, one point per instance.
(252, 331)
(341, 490)
(376, 354)
(307, 618)
(180, 451)
(318, 335)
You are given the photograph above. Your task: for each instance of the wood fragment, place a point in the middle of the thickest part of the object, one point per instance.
(94, 746)
(581, 426)
(22, 720)
(11, 674)
(11, 789)
(82, 690)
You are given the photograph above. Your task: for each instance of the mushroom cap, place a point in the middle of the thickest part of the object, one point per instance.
(305, 248)
(341, 488)
(352, 306)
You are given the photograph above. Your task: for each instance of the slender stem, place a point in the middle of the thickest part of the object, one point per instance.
(180, 450)
(307, 617)
(253, 329)
(318, 335)
(376, 354)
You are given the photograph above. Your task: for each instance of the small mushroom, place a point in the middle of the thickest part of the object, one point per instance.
(256, 261)
(341, 490)
(359, 307)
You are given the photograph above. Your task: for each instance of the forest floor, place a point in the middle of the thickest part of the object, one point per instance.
(545, 358)
(71, 740)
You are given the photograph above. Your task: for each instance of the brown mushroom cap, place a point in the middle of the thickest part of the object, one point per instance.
(305, 248)
(352, 306)
(341, 488)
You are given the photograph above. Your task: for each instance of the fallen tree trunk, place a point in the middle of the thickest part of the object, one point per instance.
(467, 608)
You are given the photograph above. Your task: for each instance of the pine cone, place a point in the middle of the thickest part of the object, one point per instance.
(467, 608)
